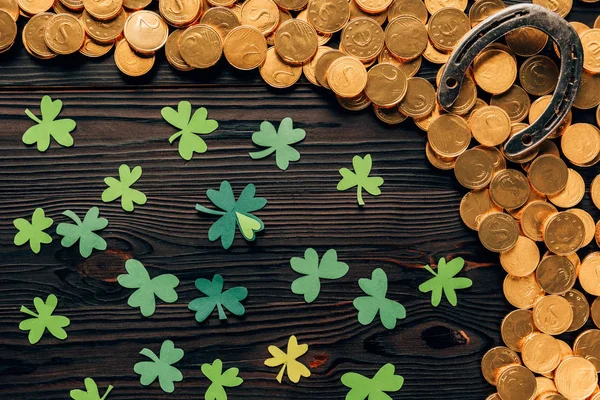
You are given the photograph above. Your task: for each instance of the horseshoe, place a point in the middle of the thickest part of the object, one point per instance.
(492, 29)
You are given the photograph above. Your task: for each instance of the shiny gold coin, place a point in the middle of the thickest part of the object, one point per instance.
(222, 19)
(533, 197)
(591, 56)
(409, 68)
(516, 383)
(145, 31)
(64, 34)
(522, 259)
(347, 77)
(589, 274)
(563, 233)
(134, 4)
(103, 9)
(494, 70)
(536, 110)
(552, 315)
(389, 115)
(561, 7)
(260, 14)
(310, 68)
(533, 218)
(277, 73)
(544, 386)
(526, 41)
(328, 16)
(588, 95)
(419, 100)
(443, 163)
(173, 54)
(467, 97)
(33, 7)
(588, 223)
(104, 31)
(509, 189)
(357, 103)
(33, 35)
(587, 345)
(435, 56)
(386, 85)
(595, 311)
(482, 9)
(576, 378)
(284, 15)
(490, 125)
(541, 352)
(131, 63)
(581, 309)
(475, 206)
(496, 155)
(515, 102)
(572, 194)
(12, 8)
(474, 169)
(581, 143)
(221, 3)
(548, 174)
(363, 38)
(434, 6)
(95, 49)
(296, 41)
(597, 234)
(374, 6)
(538, 75)
(416, 8)
(446, 27)
(425, 122)
(516, 327)
(556, 274)
(498, 232)
(449, 135)
(180, 13)
(292, 5)
(595, 191)
(60, 8)
(406, 37)
(245, 47)
(357, 12)
(323, 65)
(496, 359)
(200, 46)
(522, 291)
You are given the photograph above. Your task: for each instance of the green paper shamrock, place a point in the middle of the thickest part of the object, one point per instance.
(220, 380)
(91, 391)
(278, 142)
(160, 367)
(368, 306)
(229, 299)
(445, 281)
(59, 129)
(234, 213)
(33, 232)
(362, 387)
(83, 231)
(328, 268)
(44, 320)
(360, 178)
(122, 188)
(190, 126)
(162, 286)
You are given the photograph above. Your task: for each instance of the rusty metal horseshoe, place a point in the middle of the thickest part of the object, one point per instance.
(492, 29)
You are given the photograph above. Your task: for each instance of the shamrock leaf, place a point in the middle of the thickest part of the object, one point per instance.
(33, 232)
(162, 286)
(360, 178)
(220, 380)
(121, 188)
(278, 142)
(362, 387)
(368, 306)
(59, 129)
(295, 369)
(91, 391)
(189, 126)
(83, 231)
(234, 213)
(229, 299)
(160, 367)
(445, 281)
(44, 320)
(328, 268)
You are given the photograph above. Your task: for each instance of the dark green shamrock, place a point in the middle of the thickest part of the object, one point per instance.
(368, 306)
(220, 380)
(360, 178)
(160, 367)
(229, 299)
(59, 129)
(362, 387)
(122, 188)
(328, 268)
(444, 281)
(278, 142)
(44, 320)
(91, 391)
(234, 213)
(83, 231)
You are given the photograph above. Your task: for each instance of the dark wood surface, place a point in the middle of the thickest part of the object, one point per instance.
(414, 222)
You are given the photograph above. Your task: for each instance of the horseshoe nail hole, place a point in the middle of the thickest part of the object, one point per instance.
(451, 83)
(527, 139)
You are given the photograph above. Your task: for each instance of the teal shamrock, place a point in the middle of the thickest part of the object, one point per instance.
(49, 126)
(278, 142)
(444, 281)
(310, 284)
(83, 231)
(362, 387)
(122, 188)
(215, 297)
(369, 306)
(33, 232)
(220, 380)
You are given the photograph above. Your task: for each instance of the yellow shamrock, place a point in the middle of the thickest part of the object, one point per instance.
(295, 369)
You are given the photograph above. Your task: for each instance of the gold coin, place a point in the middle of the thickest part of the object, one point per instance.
(103, 9)
(516, 327)
(386, 85)
(425, 122)
(180, 13)
(32, 7)
(595, 311)
(544, 386)
(12, 8)
(64, 34)
(541, 352)
(292, 5)
(515, 102)
(260, 14)
(347, 76)
(200, 46)
(357, 103)
(556, 274)
(588, 95)
(482, 9)
(538, 75)
(435, 56)
(277, 73)
(533, 217)
(526, 41)
(439, 162)
(595, 191)
(516, 383)
(328, 16)
(60, 8)
(494, 70)
(581, 143)
(533, 197)
(435, 5)
(145, 31)
(591, 57)
(310, 68)
(581, 309)
(447, 26)
(222, 19)
(322, 38)
(597, 234)
(474, 169)
(561, 7)
(522, 291)
(490, 125)
(221, 3)
(94, 49)
(587, 345)
(588, 223)
(323, 65)
(572, 194)
(133, 5)
(536, 110)
(479, 104)
(495, 360)
(522, 259)
(357, 12)
(494, 396)
(104, 31)
(284, 15)
(498, 232)
(589, 274)
(406, 37)
(449, 135)
(467, 97)
(374, 6)
(363, 38)
(563, 233)
(509, 189)
(296, 41)
(129, 62)
(548, 174)
(496, 155)
(475, 206)
(416, 8)
(389, 115)
(33, 35)
(410, 68)
(576, 378)
(245, 47)
(419, 100)
(172, 52)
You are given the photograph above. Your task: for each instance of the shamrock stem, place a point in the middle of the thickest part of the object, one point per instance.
(150, 354)
(175, 136)
(208, 210)
(221, 312)
(110, 387)
(428, 268)
(33, 117)
(29, 312)
(263, 153)
(280, 375)
(359, 195)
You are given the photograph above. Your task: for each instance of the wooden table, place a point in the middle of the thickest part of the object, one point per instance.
(414, 222)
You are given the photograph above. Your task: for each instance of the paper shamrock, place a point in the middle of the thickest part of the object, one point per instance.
(59, 129)
(160, 367)
(162, 286)
(360, 178)
(362, 387)
(189, 127)
(44, 320)
(91, 391)
(368, 306)
(234, 213)
(278, 142)
(122, 188)
(328, 268)
(220, 380)
(445, 281)
(33, 232)
(229, 299)
(295, 369)
(83, 231)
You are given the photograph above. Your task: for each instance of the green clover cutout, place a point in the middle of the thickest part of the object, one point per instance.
(234, 213)
(278, 142)
(444, 281)
(160, 367)
(44, 320)
(328, 268)
(33, 232)
(122, 188)
(360, 178)
(49, 126)
(229, 299)
(220, 380)
(83, 231)
(137, 277)
(362, 387)
(368, 306)
(91, 391)
(189, 127)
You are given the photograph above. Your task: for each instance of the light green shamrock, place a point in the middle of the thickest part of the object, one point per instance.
(91, 391)
(444, 281)
(122, 188)
(59, 129)
(278, 142)
(44, 320)
(220, 380)
(362, 387)
(368, 306)
(328, 268)
(33, 232)
(160, 367)
(360, 178)
(83, 231)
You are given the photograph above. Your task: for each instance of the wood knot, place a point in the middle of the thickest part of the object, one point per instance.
(441, 337)
(318, 360)
(105, 266)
